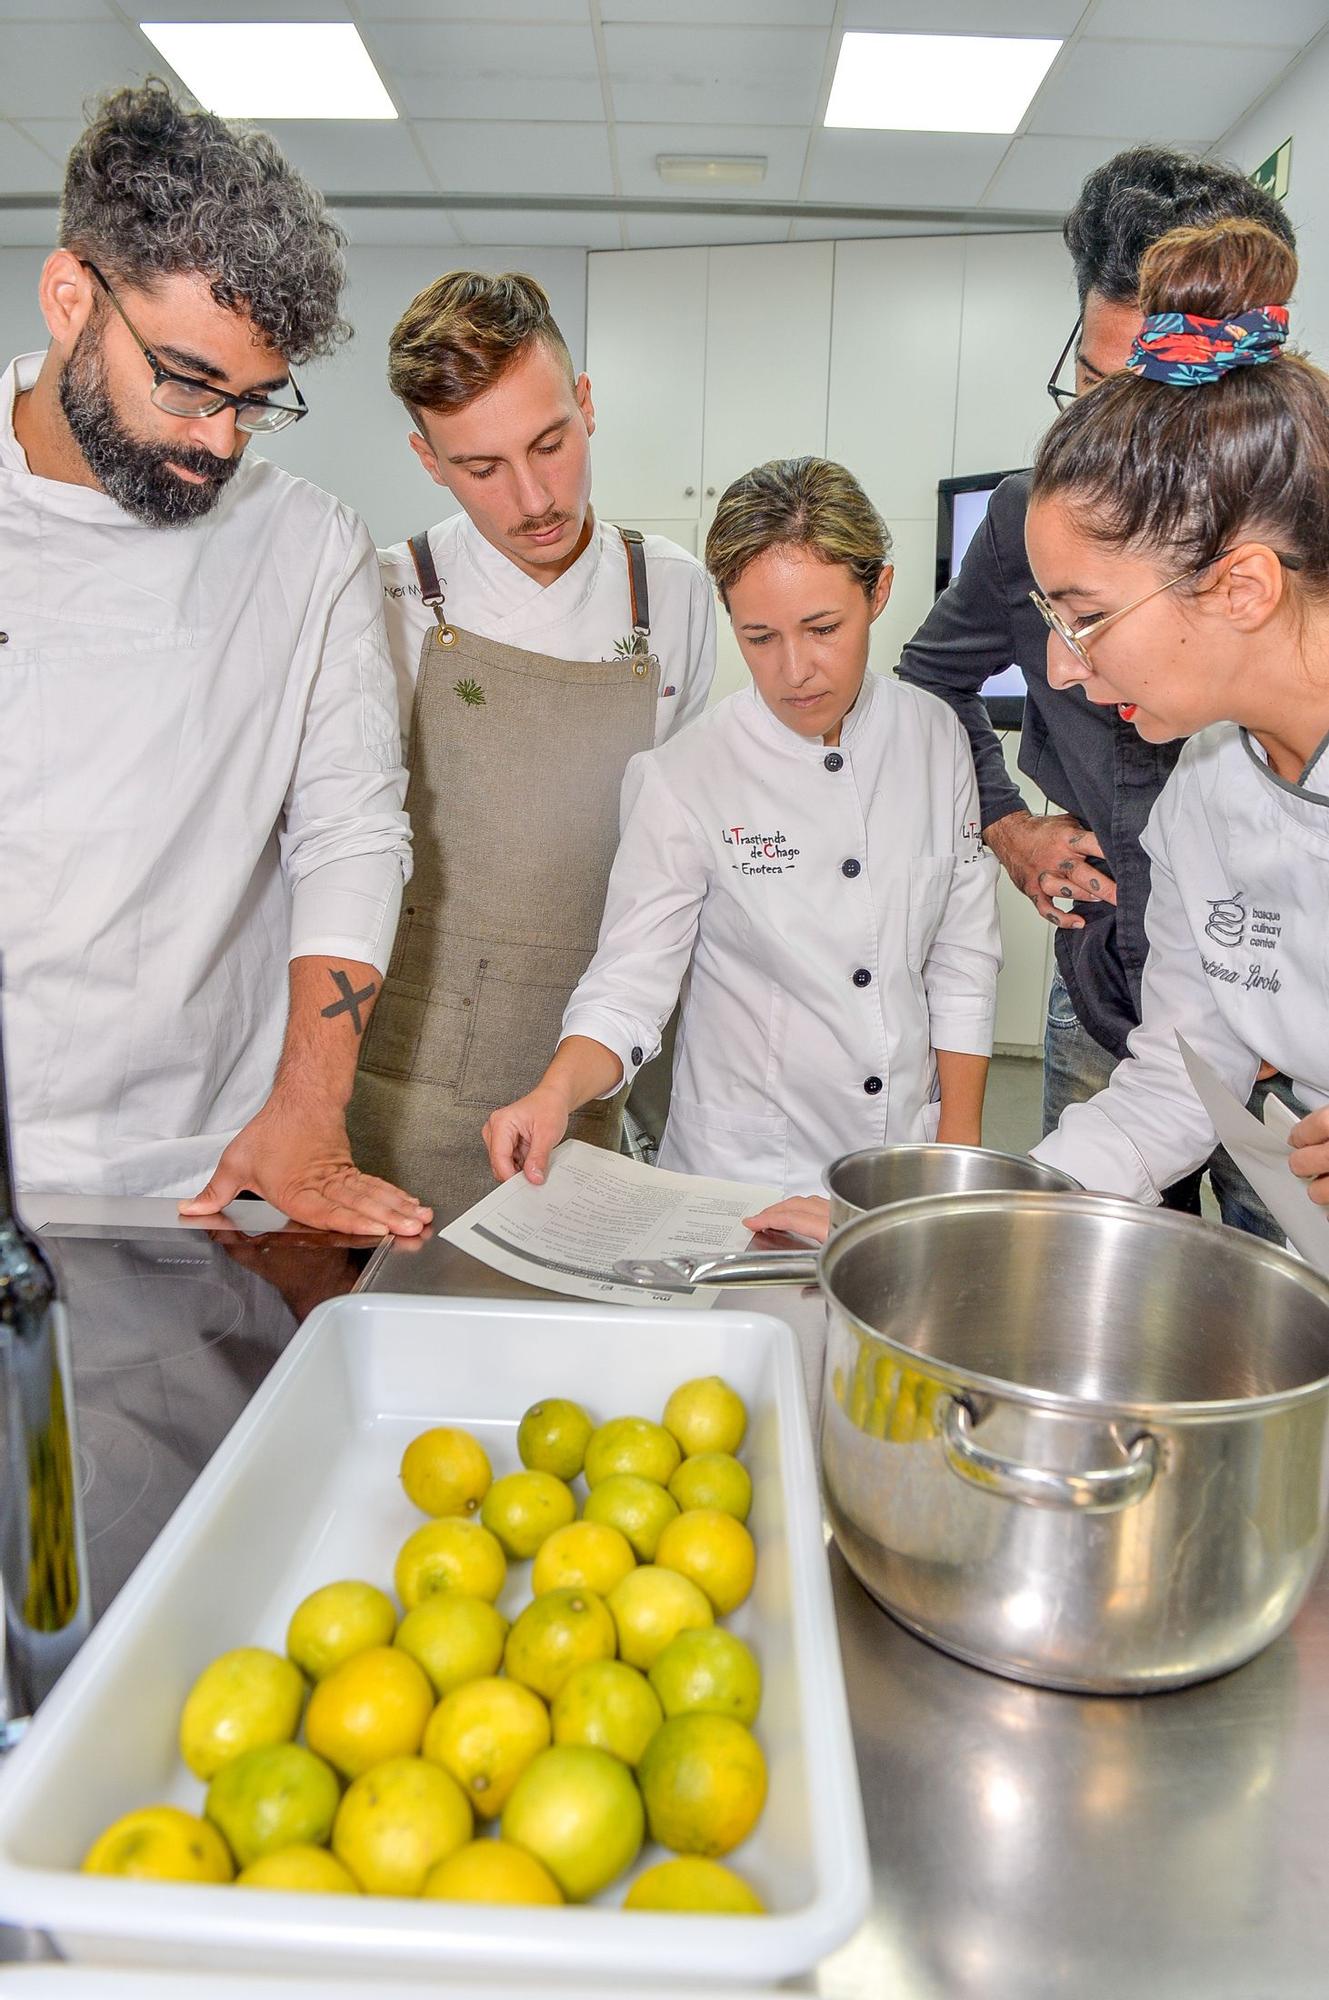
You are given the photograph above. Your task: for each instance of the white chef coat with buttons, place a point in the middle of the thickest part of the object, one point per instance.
(1238, 964)
(201, 780)
(585, 614)
(835, 915)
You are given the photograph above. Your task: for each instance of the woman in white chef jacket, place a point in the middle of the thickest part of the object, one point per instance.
(1189, 500)
(804, 864)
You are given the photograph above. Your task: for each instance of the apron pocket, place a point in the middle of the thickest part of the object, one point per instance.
(516, 1014)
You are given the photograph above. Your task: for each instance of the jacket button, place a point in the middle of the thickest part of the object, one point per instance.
(636, 1057)
(850, 868)
(872, 1084)
(862, 977)
(833, 761)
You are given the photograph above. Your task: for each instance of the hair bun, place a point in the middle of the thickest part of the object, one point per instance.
(1215, 272)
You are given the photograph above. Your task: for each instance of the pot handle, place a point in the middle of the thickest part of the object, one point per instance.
(729, 1267)
(1100, 1491)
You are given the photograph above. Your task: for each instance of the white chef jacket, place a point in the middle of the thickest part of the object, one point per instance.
(1238, 963)
(835, 913)
(585, 614)
(202, 780)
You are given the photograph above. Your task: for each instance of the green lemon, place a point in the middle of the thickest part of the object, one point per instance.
(579, 1812)
(242, 1700)
(524, 1509)
(273, 1797)
(713, 1479)
(552, 1437)
(706, 1415)
(640, 1509)
(455, 1638)
(160, 1844)
(300, 1871)
(332, 1623)
(693, 1883)
(397, 1822)
(631, 1445)
(554, 1635)
(703, 1778)
(608, 1706)
(710, 1671)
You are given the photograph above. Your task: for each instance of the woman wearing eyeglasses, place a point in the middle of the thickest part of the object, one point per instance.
(1179, 531)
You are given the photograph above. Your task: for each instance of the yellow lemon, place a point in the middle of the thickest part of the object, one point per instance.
(639, 1508)
(714, 1479)
(652, 1606)
(555, 1634)
(160, 1844)
(445, 1472)
(372, 1707)
(454, 1638)
(273, 1797)
(586, 1555)
(397, 1822)
(300, 1871)
(524, 1509)
(332, 1623)
(631, 1445)
(706, 1415)
(607, 1706)
(491, 1871)
(244, 1699)
(552, 1437)
(704, 1782)
(449, 1555)
(709, 1671)
(485, 1734)
(693, 1883)
(715, 1551)
(579, 1812)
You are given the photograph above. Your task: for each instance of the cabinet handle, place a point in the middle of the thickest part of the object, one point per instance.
(710, 493)
(688, 492)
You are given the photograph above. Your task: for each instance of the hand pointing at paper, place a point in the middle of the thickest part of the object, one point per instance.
(1309, 1140)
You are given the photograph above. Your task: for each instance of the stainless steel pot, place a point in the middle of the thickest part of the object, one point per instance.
(856, 1183)
(1077, 1442)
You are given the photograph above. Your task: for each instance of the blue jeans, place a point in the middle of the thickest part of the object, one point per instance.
(1076, 1067)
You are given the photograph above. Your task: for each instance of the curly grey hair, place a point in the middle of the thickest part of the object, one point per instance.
(152, 188)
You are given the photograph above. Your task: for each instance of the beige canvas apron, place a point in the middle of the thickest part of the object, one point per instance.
(515, 762)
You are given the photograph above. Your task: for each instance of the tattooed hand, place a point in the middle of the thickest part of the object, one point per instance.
(295, 1154)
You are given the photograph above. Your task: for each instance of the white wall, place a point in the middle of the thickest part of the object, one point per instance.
(1298, 108)
(354, 440)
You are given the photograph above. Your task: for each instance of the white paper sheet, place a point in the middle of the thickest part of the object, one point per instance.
(1262, 1153)
(597, 1207)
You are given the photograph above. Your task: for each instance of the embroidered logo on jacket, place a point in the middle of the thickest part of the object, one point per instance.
(1233, 923)
(760, 853)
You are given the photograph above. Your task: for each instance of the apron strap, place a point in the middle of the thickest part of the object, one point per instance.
(635, 544)
(431, 590)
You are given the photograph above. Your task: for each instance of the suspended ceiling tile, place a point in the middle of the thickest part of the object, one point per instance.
(539, 227)
(784, 148)
(360, 158)
(965, 17)
(740, 13)
(743, 76)
(1047, 173)
(1149, 92)
(1276, 23)
(55, 136)
(25, 168)
(489, 70)
(47, 72)
(932, 169)
(54, 10)
(665, 231)
(575, 11)
(836, 229)
(510, 157)
(407, 226)
(240, 10)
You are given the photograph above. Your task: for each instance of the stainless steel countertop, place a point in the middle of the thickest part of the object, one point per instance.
(1036, 1844)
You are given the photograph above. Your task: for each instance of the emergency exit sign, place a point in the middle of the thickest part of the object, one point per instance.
(1273, 175)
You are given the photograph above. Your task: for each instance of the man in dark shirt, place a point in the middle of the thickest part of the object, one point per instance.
(1084, 758)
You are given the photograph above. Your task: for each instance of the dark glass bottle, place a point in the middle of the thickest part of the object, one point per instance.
(42, 1558)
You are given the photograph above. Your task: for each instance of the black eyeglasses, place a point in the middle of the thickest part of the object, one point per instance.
(1059, 393)
(187, 396)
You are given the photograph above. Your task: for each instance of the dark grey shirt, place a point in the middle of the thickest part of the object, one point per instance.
(1085, 758)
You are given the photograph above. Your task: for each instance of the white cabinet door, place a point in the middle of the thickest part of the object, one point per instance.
(1026, 941)
(1019, 306)
(768, 341)
(894, 360)
(646, 357)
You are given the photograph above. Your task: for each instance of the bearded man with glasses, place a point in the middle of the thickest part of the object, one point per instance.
(202, 835)
(1087, 760)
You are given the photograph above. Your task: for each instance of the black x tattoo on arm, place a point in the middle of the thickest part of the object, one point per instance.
(350, 1002)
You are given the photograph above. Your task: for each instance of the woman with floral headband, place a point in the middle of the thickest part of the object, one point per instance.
(804, 863)
(1179, 531)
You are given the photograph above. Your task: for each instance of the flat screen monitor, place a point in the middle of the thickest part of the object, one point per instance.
(961, 505)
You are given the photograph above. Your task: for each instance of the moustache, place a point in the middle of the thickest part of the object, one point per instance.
(541, 527)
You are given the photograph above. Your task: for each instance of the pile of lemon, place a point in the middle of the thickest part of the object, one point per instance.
(613, 1706)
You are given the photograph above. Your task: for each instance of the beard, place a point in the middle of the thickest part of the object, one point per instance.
(132, 471)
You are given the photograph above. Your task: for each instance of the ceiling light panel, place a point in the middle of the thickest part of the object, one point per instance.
(936, 83)
(274, 69)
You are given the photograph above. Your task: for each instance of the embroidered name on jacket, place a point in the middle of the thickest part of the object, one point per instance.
(760, 853)
(1235, 924)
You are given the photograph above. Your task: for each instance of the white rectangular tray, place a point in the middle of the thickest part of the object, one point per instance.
(305, 1490)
